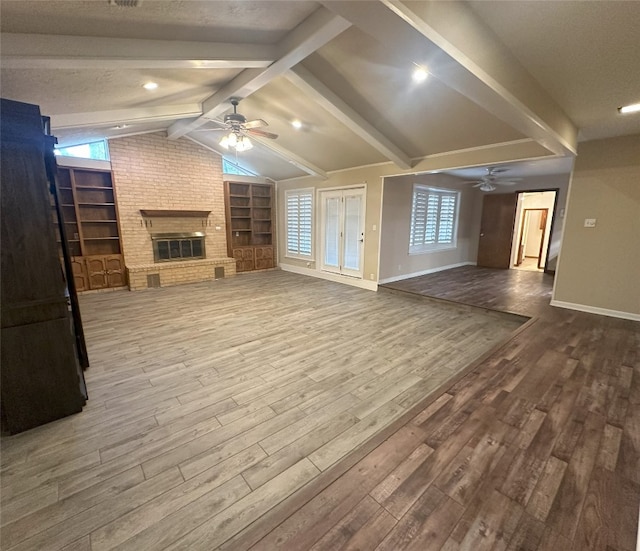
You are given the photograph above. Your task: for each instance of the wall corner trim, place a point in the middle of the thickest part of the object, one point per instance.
(425, 272)
(346, 280)
(595, 310)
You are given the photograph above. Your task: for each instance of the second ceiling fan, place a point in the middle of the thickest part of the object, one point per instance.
(490, 180)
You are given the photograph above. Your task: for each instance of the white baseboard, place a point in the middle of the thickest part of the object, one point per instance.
(354, 282)
(596, 310)
(425, 272)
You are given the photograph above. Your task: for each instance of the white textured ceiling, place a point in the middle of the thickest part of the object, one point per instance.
(421, 119)
(586, 54)
(85, 90)
(263, 21)
(357, 102)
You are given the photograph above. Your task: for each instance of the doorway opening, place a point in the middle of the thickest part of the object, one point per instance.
(532, 230)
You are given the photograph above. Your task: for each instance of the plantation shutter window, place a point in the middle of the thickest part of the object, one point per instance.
(299, 223)
(434, 214)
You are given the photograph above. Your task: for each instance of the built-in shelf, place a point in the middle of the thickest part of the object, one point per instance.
(175, 213)
(90, 218)
(249, 217)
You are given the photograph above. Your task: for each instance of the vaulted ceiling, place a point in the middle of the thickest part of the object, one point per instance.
(504, 76)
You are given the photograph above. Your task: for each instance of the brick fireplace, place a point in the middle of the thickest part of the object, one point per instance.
(169, 188)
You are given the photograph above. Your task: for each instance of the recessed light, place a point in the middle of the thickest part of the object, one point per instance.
(150, 85)
(633, 108)
(296, 124)
(420, 74)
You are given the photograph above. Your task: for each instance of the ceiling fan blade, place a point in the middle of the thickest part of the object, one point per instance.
(210, 130)
(262, 133)
(217, 123)
(479, 184)
(505, 183)
(256, 123)
(473, 182)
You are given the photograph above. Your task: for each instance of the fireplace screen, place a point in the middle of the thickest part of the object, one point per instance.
(169, 247)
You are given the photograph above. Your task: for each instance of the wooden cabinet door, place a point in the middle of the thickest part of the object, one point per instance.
(263, 258)
(115, 271)
(237, 255)
(96, 272)
(247, 259)
(80, 273)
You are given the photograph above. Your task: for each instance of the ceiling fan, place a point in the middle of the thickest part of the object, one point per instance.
(490, 180)
(239, 129)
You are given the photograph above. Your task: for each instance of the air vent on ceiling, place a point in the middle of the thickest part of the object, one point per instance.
(125, 3)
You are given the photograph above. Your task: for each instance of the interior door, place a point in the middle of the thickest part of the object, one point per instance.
(496, 230)
(342, 231)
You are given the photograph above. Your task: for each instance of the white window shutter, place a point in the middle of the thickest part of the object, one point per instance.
(299, 222)
(433, 219)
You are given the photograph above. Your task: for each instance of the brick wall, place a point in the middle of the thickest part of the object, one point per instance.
(151, 172)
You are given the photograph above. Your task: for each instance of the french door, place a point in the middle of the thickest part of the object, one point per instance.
(342, 231)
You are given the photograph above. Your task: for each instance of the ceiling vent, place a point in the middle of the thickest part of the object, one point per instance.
(125, 3)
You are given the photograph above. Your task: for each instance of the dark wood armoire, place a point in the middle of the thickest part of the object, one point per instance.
(40, 372)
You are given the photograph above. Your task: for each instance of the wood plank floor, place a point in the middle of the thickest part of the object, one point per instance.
(537, 448)
(212, 403)
(519, 291)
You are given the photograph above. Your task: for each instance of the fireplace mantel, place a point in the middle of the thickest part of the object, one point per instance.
(152, 213)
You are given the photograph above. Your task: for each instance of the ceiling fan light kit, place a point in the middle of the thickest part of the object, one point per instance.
(239, 129)
(486, 187)
(236, 141)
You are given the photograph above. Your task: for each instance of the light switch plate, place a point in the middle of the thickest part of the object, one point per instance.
(589, 222)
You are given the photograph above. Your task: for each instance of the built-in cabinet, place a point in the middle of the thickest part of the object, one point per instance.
(250, 225)
(88, 206)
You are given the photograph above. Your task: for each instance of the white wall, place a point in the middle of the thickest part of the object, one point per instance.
(533, 235)
(395, 260)
(599, 267)
(370, 178)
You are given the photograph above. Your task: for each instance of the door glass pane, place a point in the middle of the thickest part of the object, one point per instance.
(174, 247)
(197, 247)
(185, 248)
(352, 232)
(163, 250)
(332, 232)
